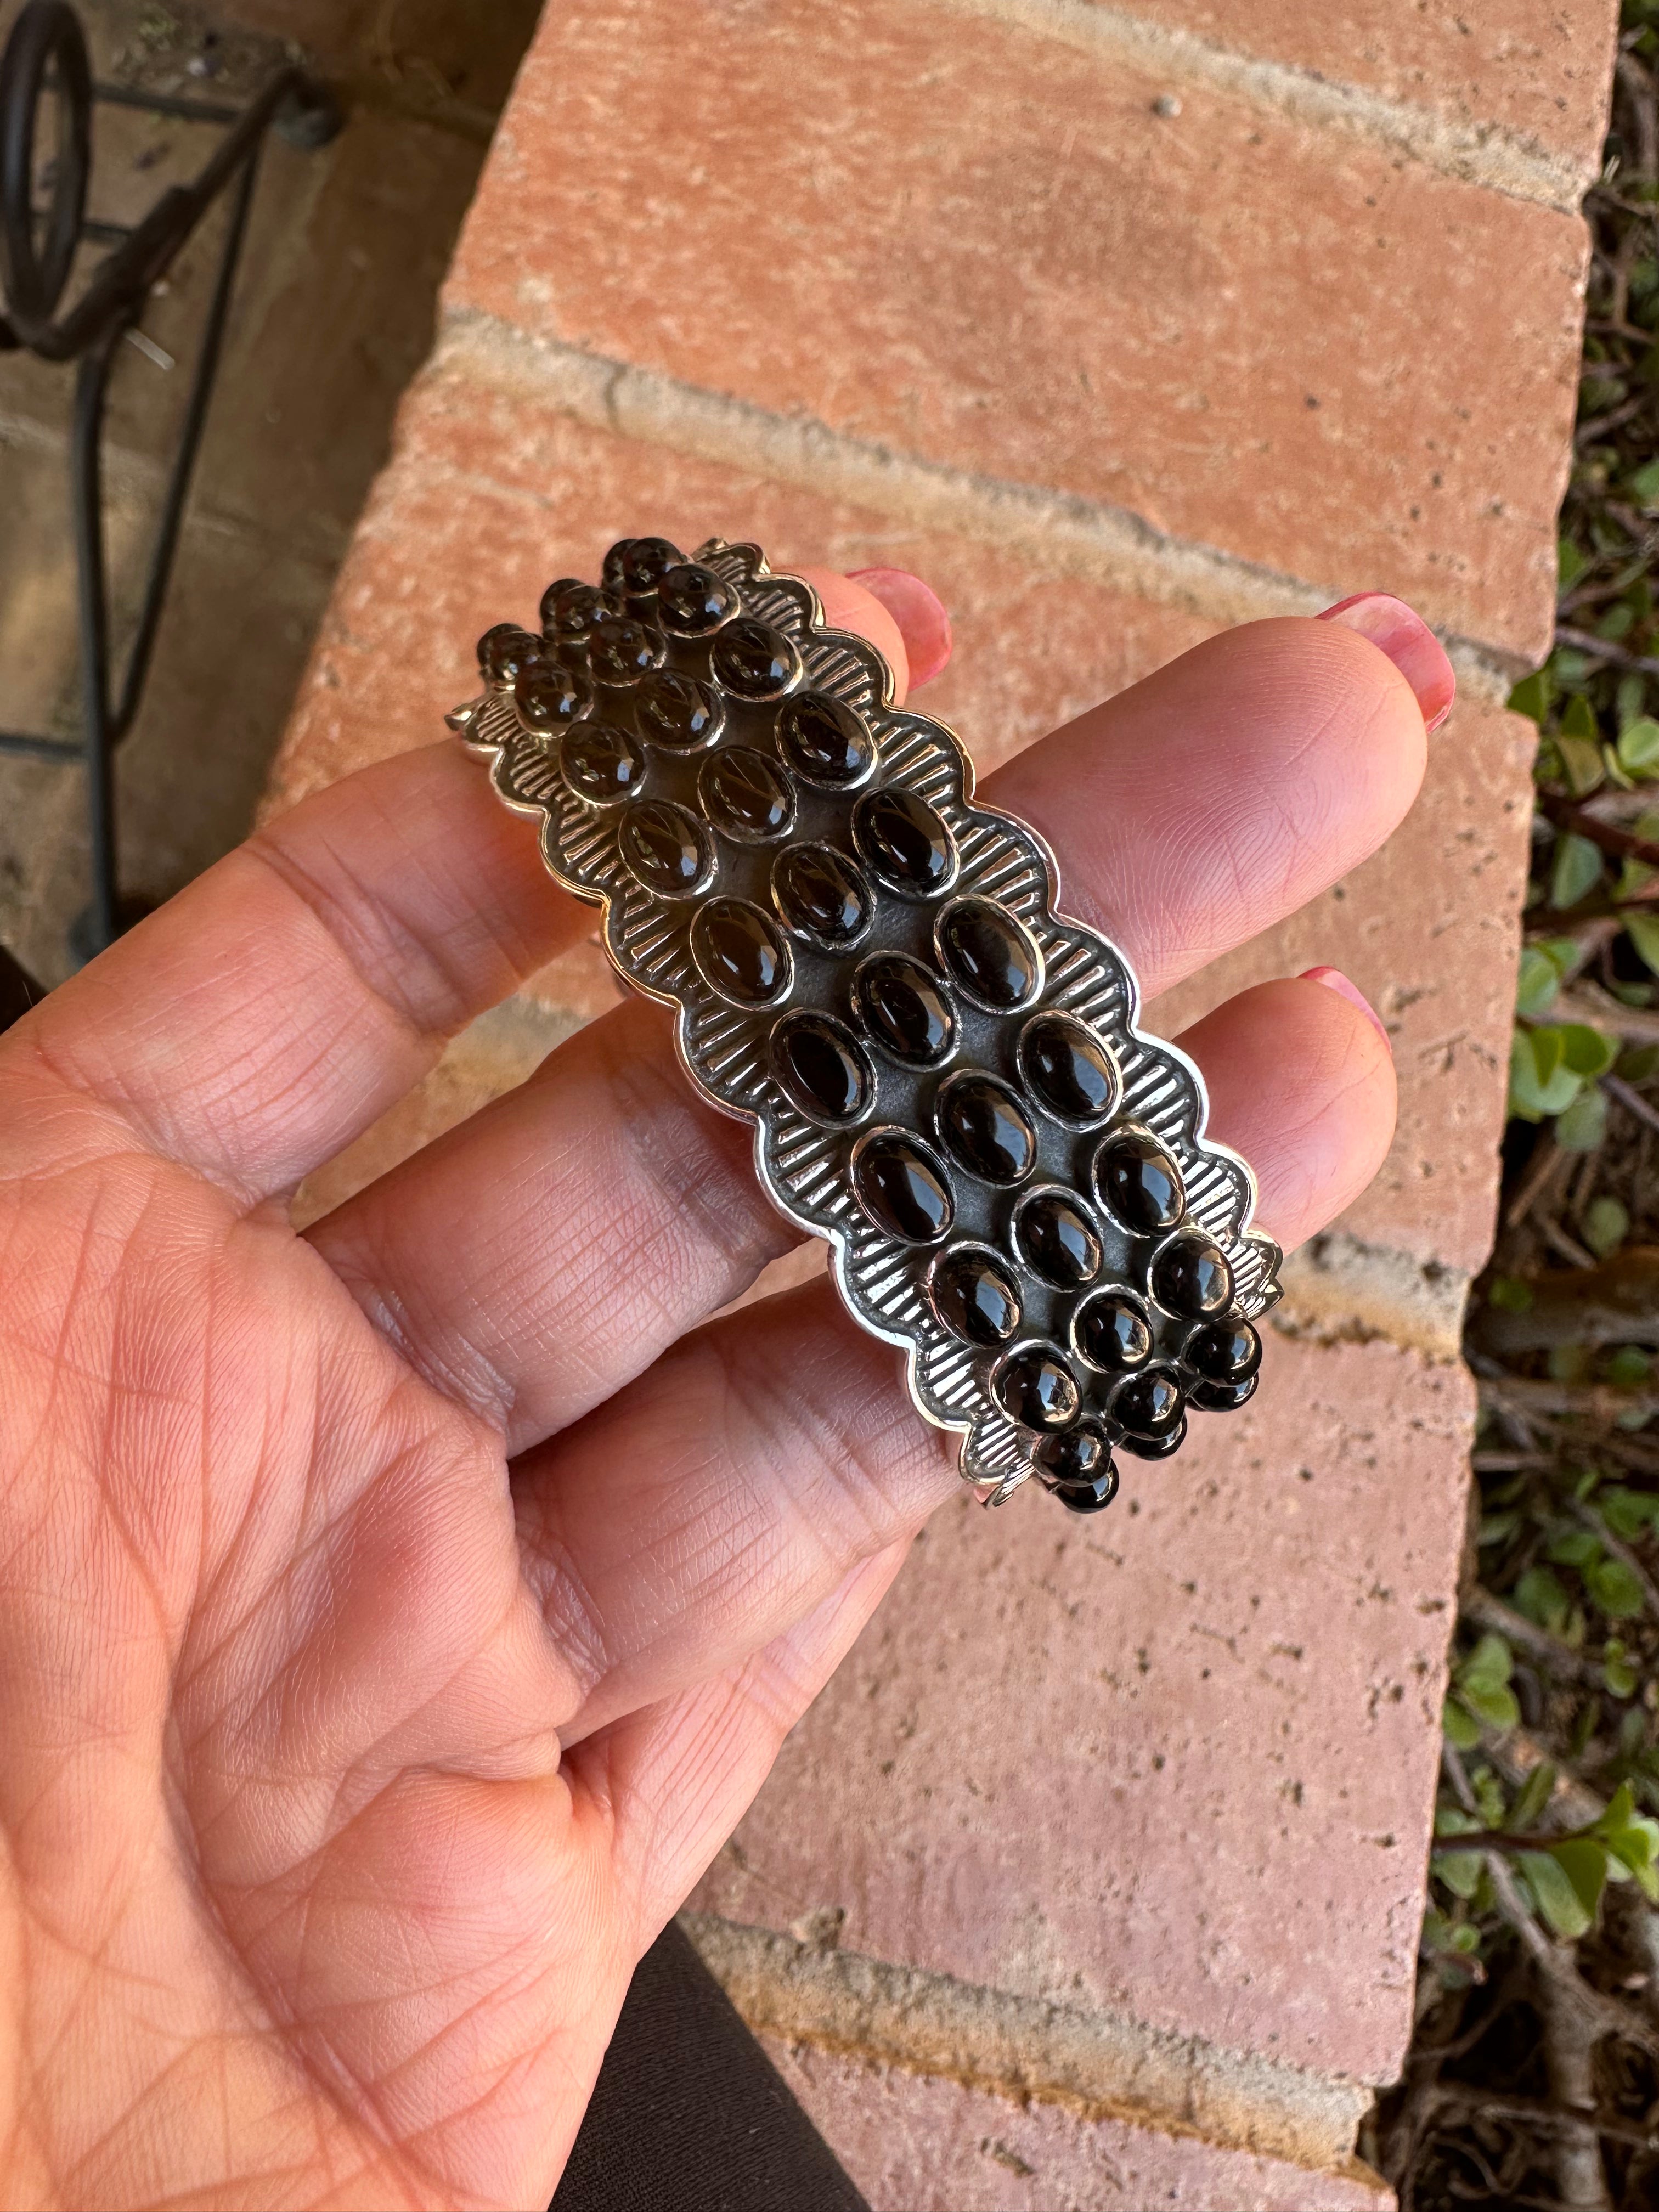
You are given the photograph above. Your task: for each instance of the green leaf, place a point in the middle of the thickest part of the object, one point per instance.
(1539, 1083)
(1644, 484)
(1489, 1665)
(1643, 935)
(1631, 696)
(1495, 1527)
(1531, 695)
(1494, 1709)
(1579, 720)
(1614, 1589)
(1541, 1597)
(1508, 1294)
(1533, 1795)
(1583, 768)
(1618, 1674)
(1584, 1860)
(1583, 1125)
(1576, 871)
(1627, 1512)
(1605, 1225)
(1640, 1064)
(1574, 1547)
(1638, 746)
(1460, 1726)
(1629, 1367)
(1569, 564)
(1538, 982)
(1617, 622)
(1459, 1870)
(1554, 1893)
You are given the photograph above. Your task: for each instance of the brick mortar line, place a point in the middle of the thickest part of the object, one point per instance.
(1486, 154)
(1054, 532)
(1099, 2066)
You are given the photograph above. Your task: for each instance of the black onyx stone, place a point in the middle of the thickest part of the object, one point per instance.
(741, 952)
(642, 564)
(1149, 1404)
(548, 695)
(677, 711)
(1223, 1397)
(1164, 1447)
(974, 1296)
(693, 601)
(823, 740)
(1088, 1497)
(902, 1188)
(904, 841)
(744, 796)
(988, 953)
(506, 651)
(1057, 1240)
(753, 660)
(822, 1067)
(1112, 1333)
(1078, 1455)
(820, 893)
(571, 610)
(1068, 1070)
(986, 1128)
(1036, 1388)
(1222, 1351)
(1191, 1278)
(666, 847)
(601, 763)
(622, 650)
(900, 1005)
(1138, 1181)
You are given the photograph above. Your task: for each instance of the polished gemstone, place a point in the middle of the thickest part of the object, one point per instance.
(902, 1006)
(1067, 1069)
(1190, 1277)
(570, 610)
(822, 894)
(823, 740)
(903, 1188)
(601, 763)
(823, 1066)
(1222, 1351)
(1112, 1333)
(1149, 1404)
(974, 1296)
(1164, 1447)
(1036, 1388)
(1138, 1181)
(988, 953)
(986, 1128)
(741, 952)
(693, 601)
(547, 694)
(744, 796)
(1223, 1397)
(666, 847)
(1088, 1497)
(622, 650)
(677, 711)
(1079, 1454)
(753, 660)
(506, 651)
(904, 841)
(1057, 1240)
(641, 564)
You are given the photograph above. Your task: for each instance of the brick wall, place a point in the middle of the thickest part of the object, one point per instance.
(1095, 1876)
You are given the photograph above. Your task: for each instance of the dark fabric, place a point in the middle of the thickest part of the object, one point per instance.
(689, 2115)
(18, 990)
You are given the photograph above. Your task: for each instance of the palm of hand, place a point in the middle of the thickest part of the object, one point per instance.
(374, 1679)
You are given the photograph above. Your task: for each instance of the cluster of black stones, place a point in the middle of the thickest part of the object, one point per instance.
(760, 803)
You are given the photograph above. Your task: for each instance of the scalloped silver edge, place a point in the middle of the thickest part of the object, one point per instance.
(1002, 858)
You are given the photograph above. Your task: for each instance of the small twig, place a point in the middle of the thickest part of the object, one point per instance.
(1489, 1612)
(1533, 1395)
(1588, 1003)
(1602, 648)
(1623, 844)
(1568, 1247)
(1547, 1164)
(1631, 1099)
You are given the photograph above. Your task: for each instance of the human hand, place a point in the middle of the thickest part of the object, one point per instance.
(395, 1619)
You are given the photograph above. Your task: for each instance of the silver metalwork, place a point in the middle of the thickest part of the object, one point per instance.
(764, 849)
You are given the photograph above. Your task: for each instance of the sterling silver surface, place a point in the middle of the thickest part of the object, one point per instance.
(1038, 1194)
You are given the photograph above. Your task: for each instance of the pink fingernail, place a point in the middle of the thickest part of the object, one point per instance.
(920, 614)
(1401, 632)
(1335, 979)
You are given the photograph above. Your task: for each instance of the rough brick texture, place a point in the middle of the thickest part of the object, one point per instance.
(972, 243)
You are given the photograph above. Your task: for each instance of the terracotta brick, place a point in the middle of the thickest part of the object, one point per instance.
(1177, 1764)
(914, 2144)
(978, 244)
(1537, 68)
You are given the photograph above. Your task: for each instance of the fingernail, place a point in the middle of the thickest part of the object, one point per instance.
(1335, 979)
(920, 614)
(1401, 632)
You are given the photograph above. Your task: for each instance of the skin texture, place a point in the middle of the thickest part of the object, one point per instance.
(394, 1620)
